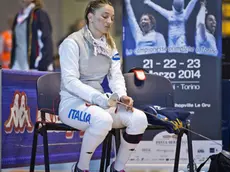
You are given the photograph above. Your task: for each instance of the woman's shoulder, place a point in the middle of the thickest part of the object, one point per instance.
(68, 44)
(72, 39)
(76, 36)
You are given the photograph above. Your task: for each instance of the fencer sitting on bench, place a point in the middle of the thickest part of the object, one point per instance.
(86, 57)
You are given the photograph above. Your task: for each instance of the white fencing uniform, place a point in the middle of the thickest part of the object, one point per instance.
(177, 20)
(84, 64)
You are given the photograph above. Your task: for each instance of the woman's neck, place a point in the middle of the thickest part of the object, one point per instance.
(96, 34)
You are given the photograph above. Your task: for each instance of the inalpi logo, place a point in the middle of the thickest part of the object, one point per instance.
(19, 117)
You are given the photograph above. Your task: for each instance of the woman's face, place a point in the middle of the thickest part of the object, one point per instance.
(211, 23)
(102, 19)
(26, 3)
(145, 23)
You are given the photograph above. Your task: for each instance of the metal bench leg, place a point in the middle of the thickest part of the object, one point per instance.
(104, 148)
(117, 139)
(190, 150)
(177, 156)
(46, 151)
(108, 155)
(34, 148)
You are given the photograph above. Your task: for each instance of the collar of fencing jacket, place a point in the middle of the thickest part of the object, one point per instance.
(100, 45)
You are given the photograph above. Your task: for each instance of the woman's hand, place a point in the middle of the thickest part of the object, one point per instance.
(127, 101)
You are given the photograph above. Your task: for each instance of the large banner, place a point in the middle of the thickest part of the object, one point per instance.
(180, 40)
(19, 113)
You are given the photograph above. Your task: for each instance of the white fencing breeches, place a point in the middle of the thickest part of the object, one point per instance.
(76, 113)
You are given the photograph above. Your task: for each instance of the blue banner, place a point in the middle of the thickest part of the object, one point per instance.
(19, 113)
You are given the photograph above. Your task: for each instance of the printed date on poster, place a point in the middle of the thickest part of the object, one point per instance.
(190, 69)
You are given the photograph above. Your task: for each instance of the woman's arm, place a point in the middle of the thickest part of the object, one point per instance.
(189, 8)
(158, 8)
(115, 77)
(69, 62)
(200, 23)
(134, 27)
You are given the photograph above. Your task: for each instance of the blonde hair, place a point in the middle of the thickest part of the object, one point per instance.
(38, 3)
(91, 7)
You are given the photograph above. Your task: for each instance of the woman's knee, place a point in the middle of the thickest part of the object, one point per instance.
(102, 124)
(139, 122)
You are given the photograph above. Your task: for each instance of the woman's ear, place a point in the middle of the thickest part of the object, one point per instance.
(90, 17)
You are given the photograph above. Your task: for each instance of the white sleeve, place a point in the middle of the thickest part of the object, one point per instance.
(69, 62)
(115, 77)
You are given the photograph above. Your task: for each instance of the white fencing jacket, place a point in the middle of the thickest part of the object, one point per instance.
(85, 62)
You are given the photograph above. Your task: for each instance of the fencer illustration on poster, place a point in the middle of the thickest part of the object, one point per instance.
(190, 60)
(190, 28)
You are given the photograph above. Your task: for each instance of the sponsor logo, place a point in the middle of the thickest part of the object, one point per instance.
(200, 151)
(146, 150)
(164, 150)
(166, 142)
(19, 117)
(173, 136)
(166, 136)
(213, 150)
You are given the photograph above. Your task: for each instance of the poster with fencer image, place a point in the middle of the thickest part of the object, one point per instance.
(154, 26)
(180, 40)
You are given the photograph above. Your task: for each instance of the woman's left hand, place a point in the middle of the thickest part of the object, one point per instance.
(127, 101)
